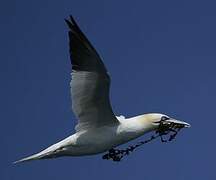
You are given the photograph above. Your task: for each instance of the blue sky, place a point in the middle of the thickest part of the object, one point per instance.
(162, 58)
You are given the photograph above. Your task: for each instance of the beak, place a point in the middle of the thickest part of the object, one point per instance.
(178, 123)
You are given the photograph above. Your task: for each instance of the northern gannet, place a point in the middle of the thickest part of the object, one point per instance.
(98, 129)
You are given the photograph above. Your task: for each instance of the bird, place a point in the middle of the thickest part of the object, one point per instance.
(98, 129)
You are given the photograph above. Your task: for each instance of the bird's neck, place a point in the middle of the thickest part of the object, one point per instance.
(138, 125)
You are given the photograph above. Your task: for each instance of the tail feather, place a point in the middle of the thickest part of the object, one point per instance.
(46, 154)
(30, 158)
(53, 151)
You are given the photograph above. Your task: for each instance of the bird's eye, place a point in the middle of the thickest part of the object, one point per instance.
(164, 118)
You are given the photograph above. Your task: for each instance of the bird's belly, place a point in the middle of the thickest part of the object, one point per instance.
(100, 140)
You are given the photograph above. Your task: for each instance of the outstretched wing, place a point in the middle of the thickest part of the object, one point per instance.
(90, 82)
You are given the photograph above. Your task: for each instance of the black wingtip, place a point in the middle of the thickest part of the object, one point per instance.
(70, 22)
(72, 19)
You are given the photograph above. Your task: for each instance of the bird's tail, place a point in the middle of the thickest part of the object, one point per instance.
(30, 158)
(51, 152)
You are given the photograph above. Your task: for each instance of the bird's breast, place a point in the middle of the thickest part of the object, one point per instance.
(101, 139)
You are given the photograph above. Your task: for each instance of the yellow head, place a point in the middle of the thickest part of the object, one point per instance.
(153, 120)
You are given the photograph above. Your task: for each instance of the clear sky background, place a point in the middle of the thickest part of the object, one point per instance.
(162, 58)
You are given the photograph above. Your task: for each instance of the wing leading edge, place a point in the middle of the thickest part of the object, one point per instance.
(90, 82)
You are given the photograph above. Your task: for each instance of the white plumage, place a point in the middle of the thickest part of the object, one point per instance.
(98, 129)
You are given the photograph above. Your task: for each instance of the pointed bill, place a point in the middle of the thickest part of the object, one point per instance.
(177, 122)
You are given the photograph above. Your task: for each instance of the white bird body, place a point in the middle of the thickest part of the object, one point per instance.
(101, 139)
(97, 140)
(98, 129)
